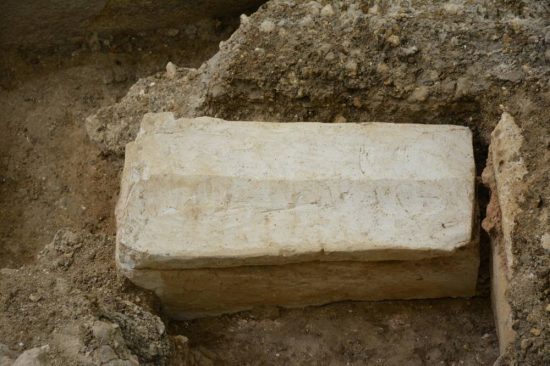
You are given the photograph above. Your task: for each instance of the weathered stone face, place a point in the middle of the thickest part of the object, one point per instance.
(220, 216)
(504, 175)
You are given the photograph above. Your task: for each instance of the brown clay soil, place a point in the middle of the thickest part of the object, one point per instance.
(58, 282)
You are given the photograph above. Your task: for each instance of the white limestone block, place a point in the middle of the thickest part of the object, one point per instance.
(220, 216)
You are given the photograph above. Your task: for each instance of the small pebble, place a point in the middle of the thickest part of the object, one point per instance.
(327, 11)
(382, 68)
(314, 8)
(420, 94)
(267, 26)
(545, 239)
(374, 10)
(394, 40)
(351, 67)
(453, 9)
(408, 51)
(170, 70)
(535, 331)
(306, 21)
(244, 19)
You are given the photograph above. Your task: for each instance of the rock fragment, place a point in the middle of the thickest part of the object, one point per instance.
(170, 70)
(314, 8)
(33, 357)
(453, 9)
(503, 175)
(374, 10)
(267, 26)
(545, 241)
(419, 94)
(7, 356)
(394, 40)
(327, 11)
(351, 67)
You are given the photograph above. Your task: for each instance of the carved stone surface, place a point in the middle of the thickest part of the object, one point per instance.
(220, 216)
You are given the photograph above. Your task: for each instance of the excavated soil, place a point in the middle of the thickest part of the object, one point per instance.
(56, 184)
(67, 112)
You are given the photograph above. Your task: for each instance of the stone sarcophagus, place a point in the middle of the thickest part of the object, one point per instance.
(217, 216)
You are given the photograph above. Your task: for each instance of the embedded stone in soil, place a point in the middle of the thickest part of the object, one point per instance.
(307, 213)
